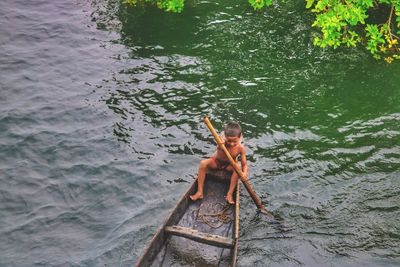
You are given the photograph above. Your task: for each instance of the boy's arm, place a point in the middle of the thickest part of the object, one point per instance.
(243, 161)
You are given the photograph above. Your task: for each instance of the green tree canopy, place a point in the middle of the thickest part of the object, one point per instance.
(340, 22)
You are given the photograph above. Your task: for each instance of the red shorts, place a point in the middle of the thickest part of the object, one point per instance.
(221, 165)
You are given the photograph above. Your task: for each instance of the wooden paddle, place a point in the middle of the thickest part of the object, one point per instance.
(244, 180)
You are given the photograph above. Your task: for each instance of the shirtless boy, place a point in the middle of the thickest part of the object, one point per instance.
(232, 139)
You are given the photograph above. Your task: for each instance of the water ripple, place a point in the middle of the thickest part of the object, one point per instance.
(100, 132)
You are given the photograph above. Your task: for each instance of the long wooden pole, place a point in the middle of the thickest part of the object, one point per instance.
(244, 180)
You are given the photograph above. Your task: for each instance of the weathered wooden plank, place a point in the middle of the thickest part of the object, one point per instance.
(158, 240)
(234, 251)
(214, 240)
(237, 209)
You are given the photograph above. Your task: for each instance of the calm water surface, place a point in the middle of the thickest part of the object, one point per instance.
(100, 132)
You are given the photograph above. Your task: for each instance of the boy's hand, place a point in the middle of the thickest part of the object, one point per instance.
(245, 174)
(221, 144)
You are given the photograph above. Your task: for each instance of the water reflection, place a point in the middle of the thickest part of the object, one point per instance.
(321, 126)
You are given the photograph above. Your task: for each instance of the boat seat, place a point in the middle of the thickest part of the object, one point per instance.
(206, 238)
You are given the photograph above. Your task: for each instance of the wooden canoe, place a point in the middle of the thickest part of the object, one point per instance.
(190, 236)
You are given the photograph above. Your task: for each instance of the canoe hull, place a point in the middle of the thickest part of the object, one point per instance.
(167, 249)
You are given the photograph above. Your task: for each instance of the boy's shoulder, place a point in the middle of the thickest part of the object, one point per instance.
(242, 147)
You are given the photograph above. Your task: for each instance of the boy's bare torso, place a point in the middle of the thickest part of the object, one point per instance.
(233, 151)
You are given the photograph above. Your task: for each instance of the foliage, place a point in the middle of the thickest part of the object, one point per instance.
(258, 4)
(341, 22)
(177, 5)
(348, 22)
(168, 5)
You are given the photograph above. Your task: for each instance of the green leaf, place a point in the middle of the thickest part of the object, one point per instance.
(309, 3)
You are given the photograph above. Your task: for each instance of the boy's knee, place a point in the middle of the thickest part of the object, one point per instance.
(203, 163)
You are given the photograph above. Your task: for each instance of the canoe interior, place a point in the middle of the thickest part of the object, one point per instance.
(166, 250)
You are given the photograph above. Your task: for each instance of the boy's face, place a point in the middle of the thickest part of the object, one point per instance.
(232, 141)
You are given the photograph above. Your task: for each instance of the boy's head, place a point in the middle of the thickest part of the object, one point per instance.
(233, 129)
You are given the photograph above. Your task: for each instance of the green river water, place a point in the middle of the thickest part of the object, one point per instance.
(101, 132)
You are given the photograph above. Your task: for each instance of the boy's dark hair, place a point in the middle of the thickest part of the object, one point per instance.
(233, 129)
